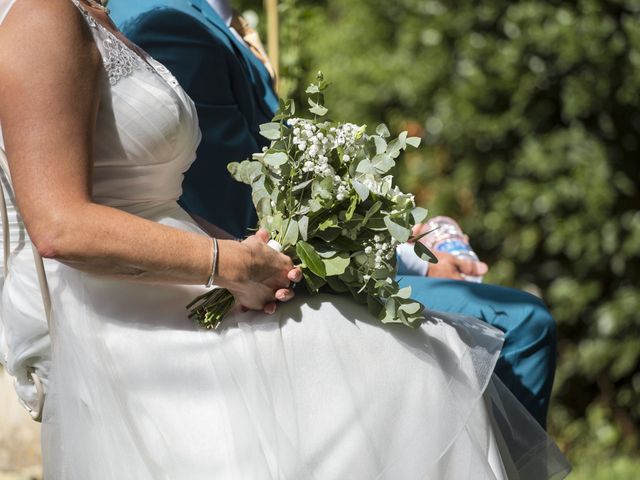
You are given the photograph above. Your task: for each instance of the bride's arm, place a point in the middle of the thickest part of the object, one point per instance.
(49, 80)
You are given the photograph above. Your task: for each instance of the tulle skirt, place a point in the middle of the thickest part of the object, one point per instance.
(320, 390)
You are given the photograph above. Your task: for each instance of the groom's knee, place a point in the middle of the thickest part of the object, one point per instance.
(538, 325)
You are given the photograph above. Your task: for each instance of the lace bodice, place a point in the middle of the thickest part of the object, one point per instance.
(147, 129)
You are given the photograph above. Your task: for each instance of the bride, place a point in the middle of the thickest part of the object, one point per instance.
(98, 135)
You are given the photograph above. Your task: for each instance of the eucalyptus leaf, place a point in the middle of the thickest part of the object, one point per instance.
(424, 253)
(317, 109)
(383, 163)
(329, 234)
(381, 144)
(400, 233)
(414, 141)
(419, 214)
(303, 226)
(365, 166)
(276, 159)
(270, 131)
(313, 282)
(302, 185)
(389, 313)
(373, 209)
(291, 234)
(326, 253)
(411, 307)
(404, 292)
(311, 259)
(352, 208)
(337, 264)
(383, 131)
(337, 285)
(394, 148)
(361, 189)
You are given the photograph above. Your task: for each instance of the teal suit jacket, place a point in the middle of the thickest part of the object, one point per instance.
(230, 87)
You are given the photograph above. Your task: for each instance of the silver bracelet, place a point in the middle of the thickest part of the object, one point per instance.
(214, 263)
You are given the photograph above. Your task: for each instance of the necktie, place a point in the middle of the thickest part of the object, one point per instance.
(252, 39)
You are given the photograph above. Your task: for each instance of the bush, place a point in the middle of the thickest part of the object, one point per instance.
(531, 115)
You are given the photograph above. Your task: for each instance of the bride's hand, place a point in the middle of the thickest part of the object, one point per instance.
(263, 275)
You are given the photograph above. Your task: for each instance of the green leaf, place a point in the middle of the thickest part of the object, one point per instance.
(317, 109)
(336, 265)
(291, 235)
(311, 259)
(270, 131)
(330, 234)
(411, 307)
(352, 208)
(390, 312)
(383, 131)
(302, 185)
(404, 293)
(328, 253)
(398, 232)
(331, 221)
(419, 214)
(276, 159)
(414, 141)
(381, 145)
(383, 163)
(337, 285)
(371, 212)
(303, 226)
(374, 305)
(361, 189)
(365, 166)
(424, 253)
(314, 282)
(315, 205)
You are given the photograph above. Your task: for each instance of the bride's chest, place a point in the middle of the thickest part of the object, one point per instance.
(144, 116)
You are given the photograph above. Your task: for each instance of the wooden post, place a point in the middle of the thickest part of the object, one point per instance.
(273, 35)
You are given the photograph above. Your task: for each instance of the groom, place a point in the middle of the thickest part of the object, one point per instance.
(215, 57)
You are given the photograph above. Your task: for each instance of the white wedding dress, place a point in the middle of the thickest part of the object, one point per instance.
(320, 390)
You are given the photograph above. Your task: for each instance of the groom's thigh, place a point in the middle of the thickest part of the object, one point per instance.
(528, 360)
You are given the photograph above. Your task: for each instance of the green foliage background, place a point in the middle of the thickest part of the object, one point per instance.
(530, 111)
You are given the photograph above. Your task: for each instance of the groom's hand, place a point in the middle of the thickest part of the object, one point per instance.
(454, 268)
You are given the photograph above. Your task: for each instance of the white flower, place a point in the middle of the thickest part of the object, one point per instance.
(346, 158)
(368, 250)
(302, 146)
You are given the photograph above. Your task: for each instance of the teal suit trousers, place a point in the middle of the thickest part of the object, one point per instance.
(528, 360)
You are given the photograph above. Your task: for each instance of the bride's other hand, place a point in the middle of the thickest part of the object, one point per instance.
(261, 274)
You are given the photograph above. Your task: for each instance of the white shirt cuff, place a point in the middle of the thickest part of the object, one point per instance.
(409, 263)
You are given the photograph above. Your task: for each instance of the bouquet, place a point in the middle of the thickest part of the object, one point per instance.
(323, 190)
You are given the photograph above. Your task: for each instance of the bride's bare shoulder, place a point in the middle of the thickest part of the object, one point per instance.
(40, 32)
